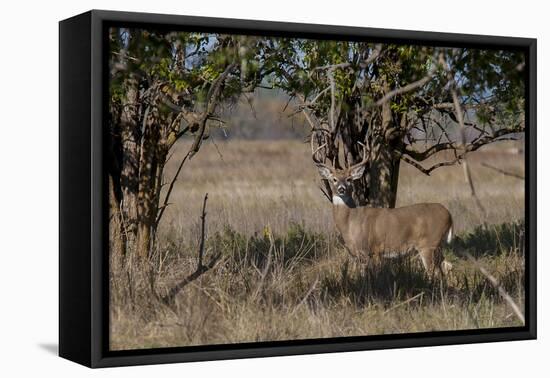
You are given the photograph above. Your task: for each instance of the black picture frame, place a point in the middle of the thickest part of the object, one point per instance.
(83, 249)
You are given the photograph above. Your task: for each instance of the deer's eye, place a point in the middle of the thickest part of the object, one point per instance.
(349, 180)
(334, 180)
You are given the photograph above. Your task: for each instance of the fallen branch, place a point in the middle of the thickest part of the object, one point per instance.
(304, 299)
(494, 282)
(419, 295)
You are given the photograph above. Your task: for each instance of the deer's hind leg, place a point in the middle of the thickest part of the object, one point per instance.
(433, 261)
(427, 256)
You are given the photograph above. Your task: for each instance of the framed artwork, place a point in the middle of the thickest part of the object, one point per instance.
(234, 188)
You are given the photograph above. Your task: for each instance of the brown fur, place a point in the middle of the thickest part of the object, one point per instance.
(375, 233)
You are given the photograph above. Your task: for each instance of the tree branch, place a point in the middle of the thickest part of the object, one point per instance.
(459, 157)
(506, 173)
(169, 191)
(407, 88)
(423, 155)
(212, 98)
(330, 75)
(331, 67)
(482, 139)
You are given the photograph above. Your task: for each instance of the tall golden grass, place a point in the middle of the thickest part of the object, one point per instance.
(283, 272)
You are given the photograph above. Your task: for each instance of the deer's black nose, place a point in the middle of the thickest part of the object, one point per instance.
(341, 190)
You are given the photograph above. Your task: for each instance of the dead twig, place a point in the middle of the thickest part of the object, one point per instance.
(203, 236)
(201, 267)
(263, 274)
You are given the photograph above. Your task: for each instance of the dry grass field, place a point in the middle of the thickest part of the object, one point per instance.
(284, 273)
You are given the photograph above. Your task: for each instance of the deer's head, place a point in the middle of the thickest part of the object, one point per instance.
(341, 180)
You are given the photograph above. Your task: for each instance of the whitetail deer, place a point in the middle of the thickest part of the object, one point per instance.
(376, 233)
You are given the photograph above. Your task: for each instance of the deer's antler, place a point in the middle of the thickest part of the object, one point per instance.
(366, 155)
(314, 152)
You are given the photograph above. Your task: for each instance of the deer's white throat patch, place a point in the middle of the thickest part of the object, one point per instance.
(338, 201)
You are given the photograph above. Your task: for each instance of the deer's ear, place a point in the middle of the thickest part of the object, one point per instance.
(357, 172)
(324, 172)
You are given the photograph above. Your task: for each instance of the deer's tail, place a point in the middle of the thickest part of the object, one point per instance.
(450, 234)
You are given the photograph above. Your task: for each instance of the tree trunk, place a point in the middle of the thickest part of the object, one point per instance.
(378, 187)
(136, 165)
(383, 174)
(117, 232)
(117, 235)
(129, 134)
(147, 198)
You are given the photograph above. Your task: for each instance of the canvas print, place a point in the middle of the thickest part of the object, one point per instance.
(270, 188)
